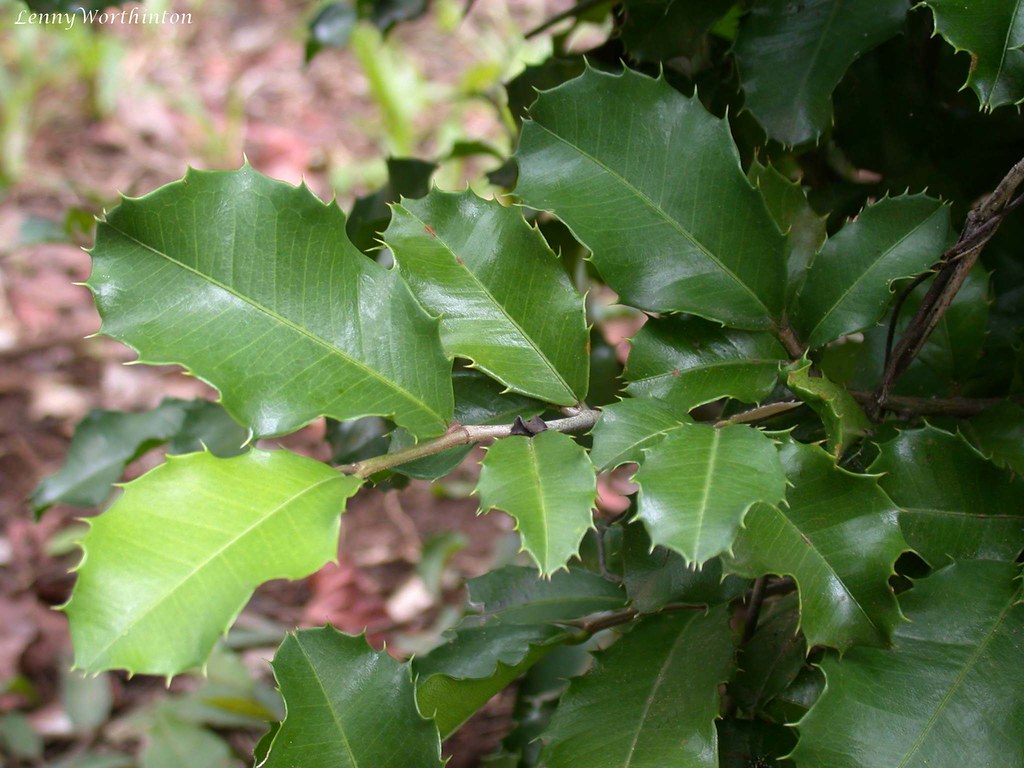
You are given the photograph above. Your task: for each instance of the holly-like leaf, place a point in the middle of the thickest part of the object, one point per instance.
(772, 658)
(842, 416)
(838, 535)
(627, 163)
(105, 442)
(504, 300)
(516, 595)
(349, 706)
(655, 30)
(698, 483)
(197, 530)
(955, 668)
(791, 56)
(629, 427)
(655, 576)
(992, 32)
(803, 226)
(688, 362)
(652, 699)
(295, 322)
(547, 483)
(953, 503)
(848, 284)
(998, 433)
(455, 679)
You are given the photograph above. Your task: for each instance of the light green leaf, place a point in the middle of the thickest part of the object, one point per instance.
(998, 433)
(629, 427)
(842, 416)
(197, 530)
(172, 743)
(992, 32)
(504, 300)
(655, 30)
(254, 286)
(348, 707)
(652, 699)
(838, 535)
(516, 595)
(698, 483)
(688, 362)
(105, 442)
(947, 693)
(803, 226)
(651, 183)
(791, 56)
(848, 284)
(953, 503)
(548, 485)
(456, 679)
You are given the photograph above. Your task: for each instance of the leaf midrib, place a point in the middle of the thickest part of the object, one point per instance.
(960, 678)
(1002, 53)
(706, 493)
(864, 275)
(664, 215)
(501, 308)
(330, 705)
(149, 609)
(281, 319)
(703, 368)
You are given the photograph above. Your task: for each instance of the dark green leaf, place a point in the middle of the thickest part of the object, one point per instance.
(330, 28)
(953, 503)
(516, 595)
(384, 14)
(998, 433)
(655, 30)
(754, 744)
(348, 707)
(629, 427)
(772, 658)
(407, 177)
(698, 483)
(947, 693)
(652, 699)
(624, 162)
(791, 56)
(688, 362)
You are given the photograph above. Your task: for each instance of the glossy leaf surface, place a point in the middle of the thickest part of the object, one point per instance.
(844, 419)
(623, 161)
(516, 595)
(349, 706)
(697, 486)
(663, 29)
(953, 503)
(792, 56)
(296, 322)
(547, 483)
(652, 699)
(947, 693)
(504, 300)
(838, 535)
(629, 427)
(688, 362)
(197, 530)
(848, 284)
(999, 434)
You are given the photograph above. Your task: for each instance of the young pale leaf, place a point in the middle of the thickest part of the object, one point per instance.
(629, 427)
(455, 679)
(348, 707)
(838, 535)
(515, 595)
(953, 503)
(295, 322)
(548, 485)
(842, 416)
(651, 701)
(947, 693)
(651, 183)
(197, 530)
(504, 300)
(698, 483)
(791, 56)
(655, 576)
(172, 742)
(848, 284)
(803, 226)
(688, 362)
(998, 433)
(655, 30)
(105, 442)
(992, 32)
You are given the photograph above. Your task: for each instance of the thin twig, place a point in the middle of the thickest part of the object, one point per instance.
(930, 406)
(754, 611)
(760, 413)
(982, 223)
(578, 9)
(789, 340)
